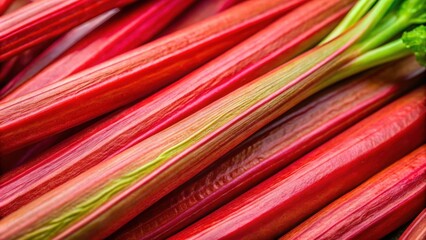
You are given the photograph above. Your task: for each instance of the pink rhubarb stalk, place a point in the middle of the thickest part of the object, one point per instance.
(108, 195)
(269, 150)
(199, 11)
(12, 66)
(137, 73)
(282, 201)
(375, 208)
(128, 29)
(57, 48)
(250, 59)
(42, 20)
(417, 229)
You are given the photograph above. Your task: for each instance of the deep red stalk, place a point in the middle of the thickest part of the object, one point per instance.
(40, 147)
(139, 24)
(54, 50)
(100, 89)
(10, 162)
(297, 132)
(201, 10)
(17, 63)
(43, 20)
(250, 59)
(6, 69)
(15, 160)
(7, 66)
(282, 201)
(4, 5)
(375, 208)
(127, 30)
(417, 229)
(100, 200)
(5, 165)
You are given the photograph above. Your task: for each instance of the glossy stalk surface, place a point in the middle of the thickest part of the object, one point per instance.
(100, 89)
(269, 150)
(250, 59)
(39, 21)
(375, 208)
(284, 200)
(126, 30)
(417, 229)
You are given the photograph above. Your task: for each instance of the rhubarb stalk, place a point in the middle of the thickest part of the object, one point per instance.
(199, 11)
(269, 150)
(270, 47)
(16, 4)
(417, 229)
(278, 204)
(100, 89)
(12, 66)
(42, 20)
(128, 29)
(114, 191)
(4, 5)
(375, 208)
(57, 48)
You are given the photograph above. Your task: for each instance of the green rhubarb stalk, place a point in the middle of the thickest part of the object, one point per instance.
(374, 53)
(356, 13)
(411, 12)
(132, 75)
(142, 174)
(411, 42)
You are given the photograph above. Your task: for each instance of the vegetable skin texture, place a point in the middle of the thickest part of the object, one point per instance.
(114, 191)
(375, 208)
(100, 89)
(52, 52)
(12, 66)
(282, 201)
(128, 29)
(199, 11)
(417, 229)
(314, 121)
(252, 58)
(42, 20)
(4, 5)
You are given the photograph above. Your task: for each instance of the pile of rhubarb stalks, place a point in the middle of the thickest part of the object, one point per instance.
(213, 119)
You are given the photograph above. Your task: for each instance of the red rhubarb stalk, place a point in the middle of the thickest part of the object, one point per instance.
(375, 208)
(417, 229)
(269, 150)
(108, 195)
(4, 5)
(201, 10)
(21, 156)
(13, 65)
(255, 56)
(282, 201)
(56, 49)
(16, 4)
(43, 20)
(42, 60)
(127, 30)
(100, 89)
(6, 70)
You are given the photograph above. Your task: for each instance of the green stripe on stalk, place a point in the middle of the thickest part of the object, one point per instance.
(253, 100)
(354, 15)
